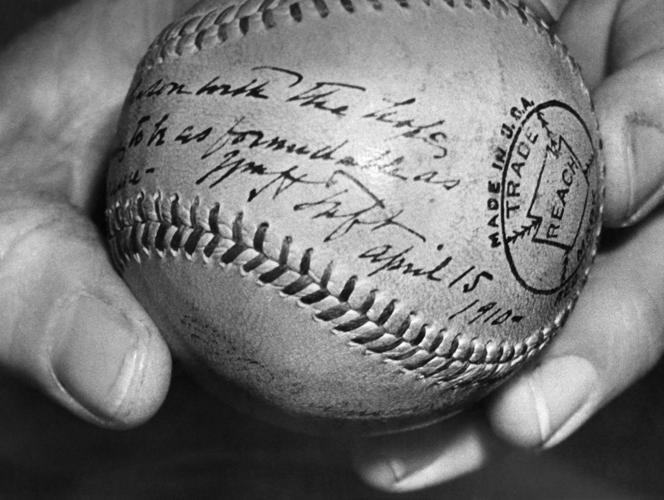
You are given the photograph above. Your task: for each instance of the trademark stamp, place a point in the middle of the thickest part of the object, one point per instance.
(544, 199)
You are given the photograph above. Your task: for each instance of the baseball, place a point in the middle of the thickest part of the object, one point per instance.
(356, 215)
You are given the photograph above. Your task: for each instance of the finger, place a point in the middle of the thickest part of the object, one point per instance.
(69, 324)
(585, 27)
(630, 107)
(425, 457)
(629, 101)
(61, 88)
(613, 337)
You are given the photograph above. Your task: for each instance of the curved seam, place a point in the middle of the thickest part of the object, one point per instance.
(153, 225)
(212, 26)
(127, 221)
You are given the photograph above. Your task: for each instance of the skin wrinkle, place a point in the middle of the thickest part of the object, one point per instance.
(71, 126)
(135, 360)
(649, 307)
(577, 418)
(632, 32)
(86, 186)
(608, 65)
(20, 230)
(46, 160)
(37, 101)
(134, 383)
(23, 356)
(15, 342)
(630, 153)
(541, 407)
(612, 344)
(590, 48)
(13, 253)
(633, 120)
(654, 347)
(61, 89)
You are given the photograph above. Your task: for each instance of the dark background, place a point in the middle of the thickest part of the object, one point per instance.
(197, 448)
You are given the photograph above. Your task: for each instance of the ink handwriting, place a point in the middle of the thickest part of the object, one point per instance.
(341, 207)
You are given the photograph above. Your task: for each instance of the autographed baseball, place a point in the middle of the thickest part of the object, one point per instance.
(356, 215)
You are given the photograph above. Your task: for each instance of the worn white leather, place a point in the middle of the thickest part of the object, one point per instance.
(357, 214)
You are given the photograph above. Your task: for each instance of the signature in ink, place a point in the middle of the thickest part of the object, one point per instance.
(395, 114)
(391, 165)
(254, 138)
(387, 259)
(374, 213)
(233, 163)
(318, 95)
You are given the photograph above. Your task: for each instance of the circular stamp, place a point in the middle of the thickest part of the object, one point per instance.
(548, 192)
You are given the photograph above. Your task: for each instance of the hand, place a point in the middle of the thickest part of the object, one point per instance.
(69, 323)
(616, 332)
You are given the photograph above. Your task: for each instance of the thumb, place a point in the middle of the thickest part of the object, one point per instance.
(70, 324)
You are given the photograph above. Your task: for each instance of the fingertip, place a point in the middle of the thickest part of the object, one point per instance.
(70, 324)
(380, 472)
(546, 404)
(421, 458)
(108, 366)
(150, 388)
(149, 380)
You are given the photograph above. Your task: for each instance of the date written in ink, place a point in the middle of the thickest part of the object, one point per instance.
(388, 259)
(489, 313)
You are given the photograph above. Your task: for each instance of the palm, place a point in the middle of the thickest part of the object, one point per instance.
(74, 71)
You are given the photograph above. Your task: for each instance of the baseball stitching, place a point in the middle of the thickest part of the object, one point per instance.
(157, 225)
(199, 32)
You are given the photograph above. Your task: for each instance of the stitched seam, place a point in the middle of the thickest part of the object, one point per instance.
(156, 225)
(217, 26)
(199, 32)
(447, 356)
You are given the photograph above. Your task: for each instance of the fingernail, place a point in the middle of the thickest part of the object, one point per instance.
(561, 391)
(646, 167)
(385, 472)
(461, 455)
(422, 458)
(96, 360)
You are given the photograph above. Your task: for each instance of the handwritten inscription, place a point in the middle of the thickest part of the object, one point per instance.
(386, 258)
(488, 313)
(343, 187)
(255, 138)
(334, 98)
(430, 133)
(157, 133)
(343, 208)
